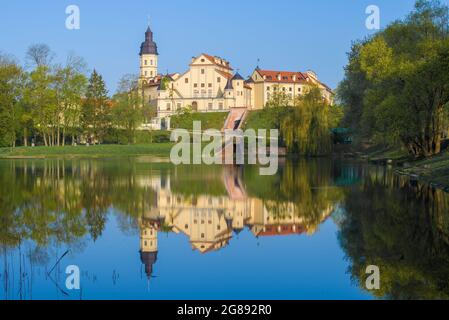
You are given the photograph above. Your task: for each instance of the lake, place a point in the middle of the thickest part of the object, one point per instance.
(143, 229)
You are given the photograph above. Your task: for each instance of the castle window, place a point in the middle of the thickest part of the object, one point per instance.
(202, 235)
(209, 85)
(220, 106)
(145, 243)
(186, 80)
(151, 73)
(203, 85)
(268, 88)
(202, 71)
(151, 62)
(178, 106)
(218, 227)
(186, 226)
(202, 60)
(210, 106)
(299, 89)
(195, 85)
(218, 79)
(168, 108)
(290, 89)
(146, 73)
(145, 62)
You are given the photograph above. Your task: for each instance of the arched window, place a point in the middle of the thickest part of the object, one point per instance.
(195, 106)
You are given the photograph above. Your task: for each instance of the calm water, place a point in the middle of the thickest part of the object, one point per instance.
(143, 230)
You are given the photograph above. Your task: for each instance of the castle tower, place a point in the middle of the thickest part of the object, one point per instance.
(148, 247)
(148, 57)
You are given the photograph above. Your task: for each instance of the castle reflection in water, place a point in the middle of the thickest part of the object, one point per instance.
(210, 221)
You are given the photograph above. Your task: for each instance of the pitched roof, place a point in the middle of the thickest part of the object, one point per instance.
(229, 85)
(237, 76)
(285, 76)
(224, 74)
(213, 59)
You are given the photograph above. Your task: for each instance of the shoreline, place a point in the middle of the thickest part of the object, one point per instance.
(433, 171)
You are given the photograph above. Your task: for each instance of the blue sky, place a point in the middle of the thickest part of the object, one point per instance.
(292, 35)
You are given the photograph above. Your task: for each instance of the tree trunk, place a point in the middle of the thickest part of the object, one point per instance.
(25, 137)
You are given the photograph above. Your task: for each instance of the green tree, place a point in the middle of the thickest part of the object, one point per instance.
(11, 100)
(307, 128)
(403, 73)
(278, 98)
(71, 84)
(40, 95)
(96, 108)
(127, 113)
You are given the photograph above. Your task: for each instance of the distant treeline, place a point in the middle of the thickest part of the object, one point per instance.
(54, 104)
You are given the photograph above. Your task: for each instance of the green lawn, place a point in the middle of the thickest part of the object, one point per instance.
(156, 149)
(211, 120)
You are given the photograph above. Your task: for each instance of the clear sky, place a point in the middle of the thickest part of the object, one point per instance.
(294, 35)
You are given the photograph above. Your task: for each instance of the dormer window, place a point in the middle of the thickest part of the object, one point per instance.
(202, 60)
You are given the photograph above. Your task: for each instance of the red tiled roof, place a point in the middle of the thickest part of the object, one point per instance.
(287, 229)
(285, 76)
(224, 74)
(212, 59)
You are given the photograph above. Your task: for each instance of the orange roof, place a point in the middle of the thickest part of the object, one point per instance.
(285, 76)
(273, 230)
(224, 74)
(212, 59)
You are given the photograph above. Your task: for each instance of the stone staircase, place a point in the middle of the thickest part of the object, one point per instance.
(234, 121)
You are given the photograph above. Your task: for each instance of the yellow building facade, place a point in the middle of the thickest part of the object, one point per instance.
(210, 85)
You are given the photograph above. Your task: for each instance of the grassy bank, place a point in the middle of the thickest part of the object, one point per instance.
(156, 149)
(213, 120)
(433, 170)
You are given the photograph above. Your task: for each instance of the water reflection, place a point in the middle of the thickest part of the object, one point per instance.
(402, 227)
(50, 206)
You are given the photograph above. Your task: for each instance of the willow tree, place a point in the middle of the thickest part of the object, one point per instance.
(307, 129)
(396, 84)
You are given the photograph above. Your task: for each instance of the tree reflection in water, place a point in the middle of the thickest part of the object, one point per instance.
(49, 206)
(402, 227)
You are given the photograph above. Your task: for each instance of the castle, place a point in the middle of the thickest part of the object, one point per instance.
(211, 85)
